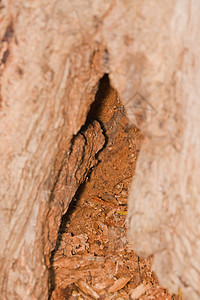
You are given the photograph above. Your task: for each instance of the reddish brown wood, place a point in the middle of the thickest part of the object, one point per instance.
(53, 54)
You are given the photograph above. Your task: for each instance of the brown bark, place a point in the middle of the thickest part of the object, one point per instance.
(53, 54)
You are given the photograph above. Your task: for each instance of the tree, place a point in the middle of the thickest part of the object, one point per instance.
(53, 54)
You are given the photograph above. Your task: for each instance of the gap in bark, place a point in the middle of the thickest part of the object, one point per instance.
(64, 221)
(92, 249)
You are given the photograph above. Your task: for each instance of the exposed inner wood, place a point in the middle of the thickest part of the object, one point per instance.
(52, 56)
(93, 258)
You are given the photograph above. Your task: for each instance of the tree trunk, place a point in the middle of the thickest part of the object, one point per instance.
(53, 54)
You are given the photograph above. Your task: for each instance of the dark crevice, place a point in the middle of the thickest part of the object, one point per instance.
(95, 108)
(102, 92)
(64, 221)
(105, 188)
(92, 115)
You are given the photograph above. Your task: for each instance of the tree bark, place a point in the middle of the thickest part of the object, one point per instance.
(51, 64)
(53, 54)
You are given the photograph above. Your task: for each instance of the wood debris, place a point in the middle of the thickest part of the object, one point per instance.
(139, 291)
(94, 259)
(87, 289)
(119, 284)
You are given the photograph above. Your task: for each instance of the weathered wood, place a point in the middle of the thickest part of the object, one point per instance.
(53, 54)
(49, 78)
(75, 167)
(164, 207)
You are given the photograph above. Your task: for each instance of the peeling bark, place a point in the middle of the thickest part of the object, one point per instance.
(75, 167)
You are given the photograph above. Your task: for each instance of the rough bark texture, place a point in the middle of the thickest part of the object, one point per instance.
(53, 54)
(93, 235)
(73, 172)
(164, 207)
(49, 78)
